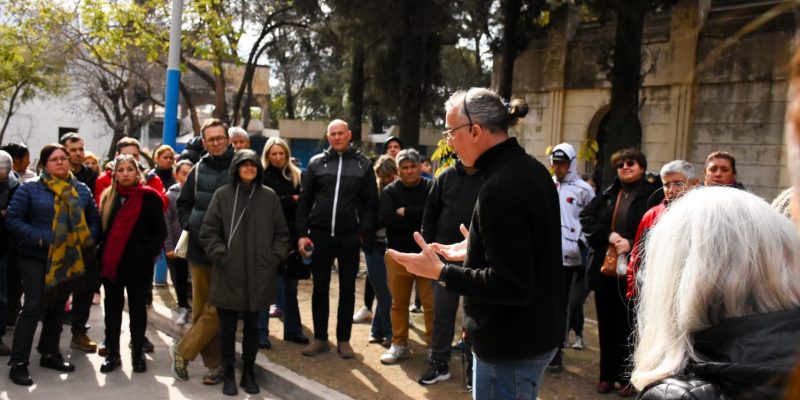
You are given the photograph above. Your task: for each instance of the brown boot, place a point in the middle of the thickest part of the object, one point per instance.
(345, 350)
(316, 348)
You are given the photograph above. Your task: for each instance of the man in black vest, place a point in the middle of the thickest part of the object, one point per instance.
(211, 172)
(337, 212)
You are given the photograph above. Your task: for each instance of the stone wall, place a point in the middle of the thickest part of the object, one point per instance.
(695, 98)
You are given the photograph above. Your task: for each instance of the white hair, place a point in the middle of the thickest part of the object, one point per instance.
(237, 131)
(717, 253)
(679, 167)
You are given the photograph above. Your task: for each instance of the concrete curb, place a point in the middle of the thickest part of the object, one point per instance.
(276, 378)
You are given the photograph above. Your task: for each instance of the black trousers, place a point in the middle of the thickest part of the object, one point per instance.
(445, 306)
(137, 310)
(345, 250)
(83, 294)
(227, 335)
(49, 309)
(179, 273)
(614, 325)
(14, 286)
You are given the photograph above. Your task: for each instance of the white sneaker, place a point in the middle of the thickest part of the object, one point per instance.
(578, 345)
(394, 354)
(362, 315)
(183, 316)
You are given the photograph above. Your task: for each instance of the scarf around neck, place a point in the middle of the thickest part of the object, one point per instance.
(70, 231)
(122, 226)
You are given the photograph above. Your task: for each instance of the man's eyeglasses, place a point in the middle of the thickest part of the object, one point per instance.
(449, 133)
(626, 163)
(216, 139)
(677, 185)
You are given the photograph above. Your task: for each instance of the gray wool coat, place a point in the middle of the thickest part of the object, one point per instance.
(244, 276)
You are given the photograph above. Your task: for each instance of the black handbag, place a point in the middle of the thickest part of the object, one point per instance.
(293, 267)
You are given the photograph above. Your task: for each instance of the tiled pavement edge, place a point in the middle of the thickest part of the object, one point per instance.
(279, 380)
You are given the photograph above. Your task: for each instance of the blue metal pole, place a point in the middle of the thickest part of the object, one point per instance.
(171, 107)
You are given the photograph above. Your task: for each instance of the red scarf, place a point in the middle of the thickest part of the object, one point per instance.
(122, 226)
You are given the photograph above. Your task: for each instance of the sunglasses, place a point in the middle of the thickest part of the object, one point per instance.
(626, 163)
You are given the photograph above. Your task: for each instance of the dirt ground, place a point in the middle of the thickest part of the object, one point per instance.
(366, 378)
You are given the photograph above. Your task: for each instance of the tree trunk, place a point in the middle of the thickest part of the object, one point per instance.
(11, 110)
(624, 127)
(187, 99)
(287, 89)
(119, 133)
(220, 106)
(411, 71)
(478, 63)
(508, 49)
(357, 91)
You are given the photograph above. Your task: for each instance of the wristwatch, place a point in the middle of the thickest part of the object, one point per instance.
(442, 274)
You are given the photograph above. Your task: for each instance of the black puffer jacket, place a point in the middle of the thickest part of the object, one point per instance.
(748, 358)
(345, 180)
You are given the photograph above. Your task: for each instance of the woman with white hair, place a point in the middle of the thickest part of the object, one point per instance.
(719, 311)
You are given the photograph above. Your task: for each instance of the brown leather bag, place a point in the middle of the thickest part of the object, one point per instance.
(609, 267)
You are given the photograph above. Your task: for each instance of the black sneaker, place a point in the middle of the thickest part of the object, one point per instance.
(437, 372)
(556, 364)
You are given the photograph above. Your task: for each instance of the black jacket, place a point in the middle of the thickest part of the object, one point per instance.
(274, 179)
(512, 278)
(747, 358)
(596, 222)
(145, 242)
(342, 179)
(7, 190)
(400, 229)
(87, 176)
(450, 203)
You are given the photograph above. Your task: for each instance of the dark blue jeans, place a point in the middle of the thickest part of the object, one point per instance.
(376, 270)
(35, 308)
(292, 325)
(519, 380)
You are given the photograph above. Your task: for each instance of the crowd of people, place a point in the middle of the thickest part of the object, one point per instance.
(695, 279)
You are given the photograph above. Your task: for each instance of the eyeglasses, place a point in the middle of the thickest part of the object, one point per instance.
(58, 160)
(216, 139)
(677, 185)
(626, 163)
(450, 133)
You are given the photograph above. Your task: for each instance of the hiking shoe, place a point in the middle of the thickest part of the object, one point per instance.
(437, 372)
(148, 346)
(83, 342)
(415, 308)
(362, 315)
(556, 364)
(178, 364)
(213, 376)
(316, 348)
(345, 350)
(394, 354)
(578, 345)
(183, 316)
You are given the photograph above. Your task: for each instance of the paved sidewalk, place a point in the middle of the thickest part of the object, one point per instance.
(88, 383)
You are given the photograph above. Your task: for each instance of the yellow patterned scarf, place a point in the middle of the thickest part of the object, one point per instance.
(70, 232)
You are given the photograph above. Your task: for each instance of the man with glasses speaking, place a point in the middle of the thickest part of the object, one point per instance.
(678, 177)
(512, 277)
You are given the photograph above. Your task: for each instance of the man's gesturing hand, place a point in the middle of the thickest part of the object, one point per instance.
(456, 251)
(425, 263)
